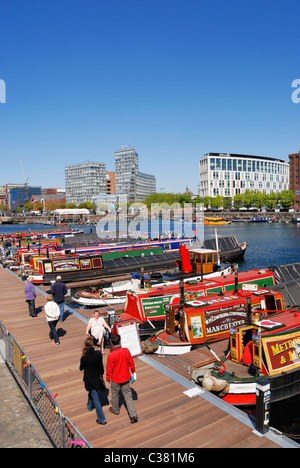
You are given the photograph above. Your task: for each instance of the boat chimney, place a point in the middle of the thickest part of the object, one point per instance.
(186, 265)
(181, 287)
(236, 280)
(249, 313)
(142, 278)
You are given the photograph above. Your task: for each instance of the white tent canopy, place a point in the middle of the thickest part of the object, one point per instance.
(72, 211)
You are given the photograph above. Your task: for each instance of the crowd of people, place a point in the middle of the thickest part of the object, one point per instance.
(120, 365)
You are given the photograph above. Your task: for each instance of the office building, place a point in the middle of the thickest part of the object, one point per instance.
(137, 186)
(230, 174)
(295, 178)
(84, 180)
(20, 195)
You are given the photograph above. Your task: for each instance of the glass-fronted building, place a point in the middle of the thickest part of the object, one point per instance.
(20, 195)
(230, 174)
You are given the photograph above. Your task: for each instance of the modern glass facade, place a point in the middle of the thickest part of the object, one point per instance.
(230, 174)
(84, 180)
(21, 195)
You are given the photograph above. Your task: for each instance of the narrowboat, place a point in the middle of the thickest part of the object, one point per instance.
(148, 304)
(268, 348)
(88, 267)
(190, 324)
(186, 270)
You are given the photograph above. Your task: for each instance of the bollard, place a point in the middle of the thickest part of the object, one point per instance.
(111, 316)
(263, 398)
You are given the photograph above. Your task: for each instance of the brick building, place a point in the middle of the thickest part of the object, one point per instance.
(295, 178)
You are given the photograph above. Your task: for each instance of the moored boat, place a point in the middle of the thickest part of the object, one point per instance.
(230, 249)
(268, 348)
(215, 220)
(75, 267)
(148, 305)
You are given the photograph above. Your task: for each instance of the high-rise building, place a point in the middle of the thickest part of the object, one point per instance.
(84, 180)
(295, 178)
(137, 186)
(230, 174)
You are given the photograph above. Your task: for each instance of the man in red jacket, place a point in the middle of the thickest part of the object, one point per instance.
(119, 364)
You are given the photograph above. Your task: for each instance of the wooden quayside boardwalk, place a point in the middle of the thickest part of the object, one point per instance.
(168, 418)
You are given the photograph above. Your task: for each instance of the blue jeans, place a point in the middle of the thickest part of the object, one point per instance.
(61, 306)
(94, 402)
(53, 333)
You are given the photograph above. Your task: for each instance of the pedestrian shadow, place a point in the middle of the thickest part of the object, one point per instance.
(122, 400)
(38, 310)
(61, 332)
(103, 397)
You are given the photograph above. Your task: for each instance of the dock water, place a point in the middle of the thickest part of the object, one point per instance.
(168, 418)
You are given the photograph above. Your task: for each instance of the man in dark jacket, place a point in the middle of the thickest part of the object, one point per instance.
(92, 365)
(58, 291)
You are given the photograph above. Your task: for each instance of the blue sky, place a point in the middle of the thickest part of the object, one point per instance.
(174, 78)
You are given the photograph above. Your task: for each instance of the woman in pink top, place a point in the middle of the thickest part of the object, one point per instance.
(95, 327)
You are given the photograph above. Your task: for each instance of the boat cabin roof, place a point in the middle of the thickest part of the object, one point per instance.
(230, 299)
(280, 322)
(202, 251)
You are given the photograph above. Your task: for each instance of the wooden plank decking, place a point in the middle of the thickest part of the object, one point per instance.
(167, 417)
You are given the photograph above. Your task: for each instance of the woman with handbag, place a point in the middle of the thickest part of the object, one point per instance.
(92, 365)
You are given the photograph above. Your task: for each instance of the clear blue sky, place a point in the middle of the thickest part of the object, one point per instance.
(174, 78)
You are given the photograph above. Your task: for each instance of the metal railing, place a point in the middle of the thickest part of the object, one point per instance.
(60, 430)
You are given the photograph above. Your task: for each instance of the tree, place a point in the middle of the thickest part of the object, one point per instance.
(238, 200)
(216, 202)
(272, 201)
(286, 198)
(28, 206)
(39, 206)
(3, 208)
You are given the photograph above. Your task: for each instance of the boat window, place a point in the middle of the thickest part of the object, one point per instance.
(270, 302)
(209, 258)
(256, 350)
(85, 264)
(97, 262)
(198, 258)
(215, 258)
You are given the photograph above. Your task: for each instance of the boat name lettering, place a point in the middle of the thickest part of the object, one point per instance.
(225, 315)
(282, 347)
(65, 266)
(223, 327)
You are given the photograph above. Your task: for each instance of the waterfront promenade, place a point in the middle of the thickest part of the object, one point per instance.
(167, 417)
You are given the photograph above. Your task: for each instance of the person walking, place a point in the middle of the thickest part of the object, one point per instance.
(92, 365)
(118, 367)
(52, 315)
(30, 295)
(96, 327)
(58, 291)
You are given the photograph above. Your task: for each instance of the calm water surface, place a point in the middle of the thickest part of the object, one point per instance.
(268, 244)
